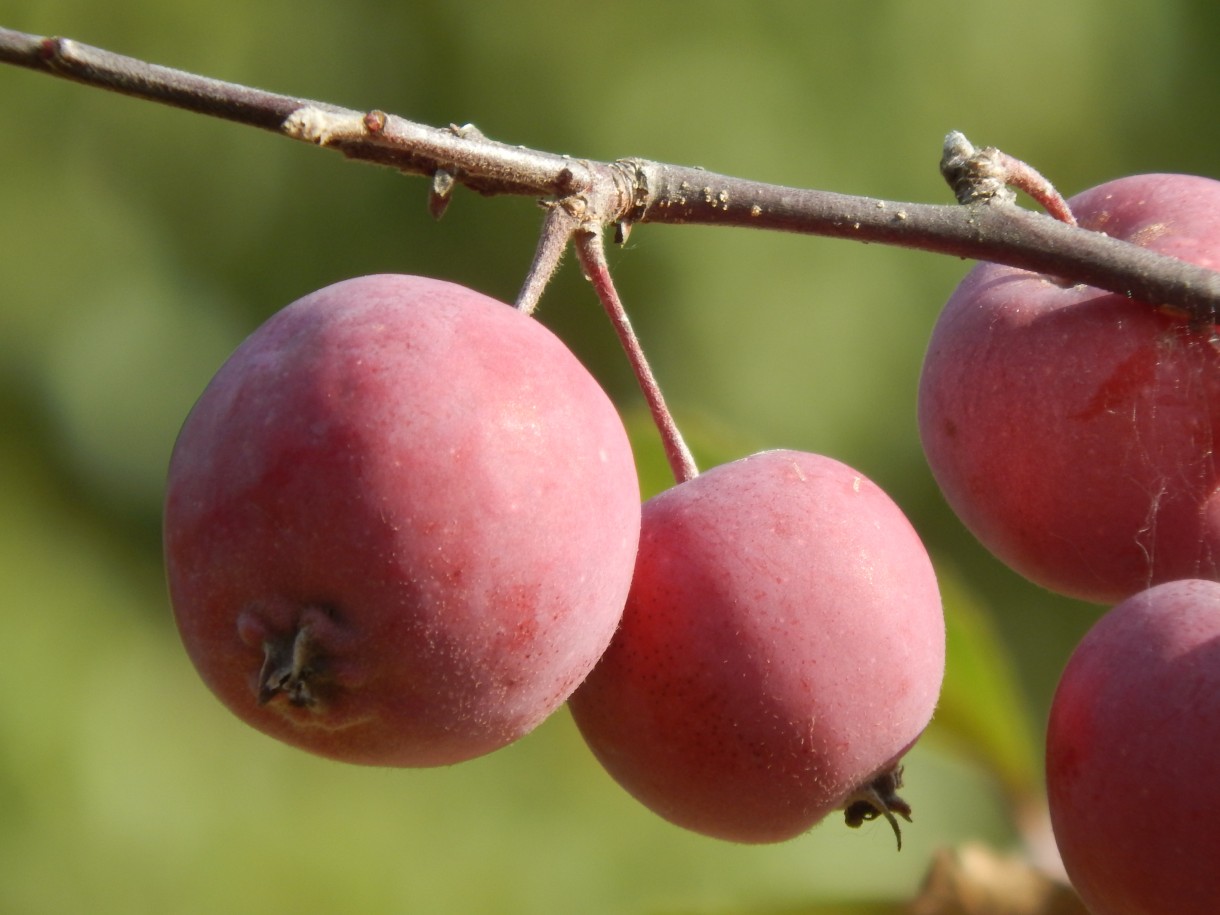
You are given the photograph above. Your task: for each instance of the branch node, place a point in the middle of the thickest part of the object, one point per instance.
(51, 49)
(633, 174)
(566, 184)
(577, 206)
(374, 122)
(466, 132)
(61, 55)
(990, 174)
(972, 173)
(321, 127)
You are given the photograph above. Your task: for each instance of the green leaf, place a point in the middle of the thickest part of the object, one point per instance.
(983, 713)
(710, 442)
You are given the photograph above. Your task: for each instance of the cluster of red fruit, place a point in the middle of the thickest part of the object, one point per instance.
(403, 526)
(1075, 433)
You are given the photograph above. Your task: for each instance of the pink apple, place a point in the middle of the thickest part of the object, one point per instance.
(1131, 755)
(400, 524)
(1074, 431)
(782, 648)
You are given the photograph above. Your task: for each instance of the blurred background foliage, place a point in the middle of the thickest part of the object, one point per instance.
(139, 244)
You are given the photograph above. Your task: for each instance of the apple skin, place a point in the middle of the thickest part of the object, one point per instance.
(429, 485)
(1132, 744)
(1074, 431)
(782, 647)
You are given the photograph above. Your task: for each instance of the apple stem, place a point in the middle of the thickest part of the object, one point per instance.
(976, 174)
(557, 231)
(591, 248)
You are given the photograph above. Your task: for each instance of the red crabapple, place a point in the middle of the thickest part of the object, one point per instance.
(400, 524)
(1074, 431)
(1131, 754)
(781, 649)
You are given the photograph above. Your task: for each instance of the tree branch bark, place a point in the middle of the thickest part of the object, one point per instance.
(632, 191)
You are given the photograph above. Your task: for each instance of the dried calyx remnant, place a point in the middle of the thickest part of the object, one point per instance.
(290, 669)
(879, 798)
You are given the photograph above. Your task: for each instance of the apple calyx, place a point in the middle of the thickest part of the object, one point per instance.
(878, 798)
(290, 669)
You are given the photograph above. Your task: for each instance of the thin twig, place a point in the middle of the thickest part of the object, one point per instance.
(638, 190)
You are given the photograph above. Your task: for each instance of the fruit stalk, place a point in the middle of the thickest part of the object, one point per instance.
(591, 249)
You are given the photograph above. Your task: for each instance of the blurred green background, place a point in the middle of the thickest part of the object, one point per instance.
(139, 244)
